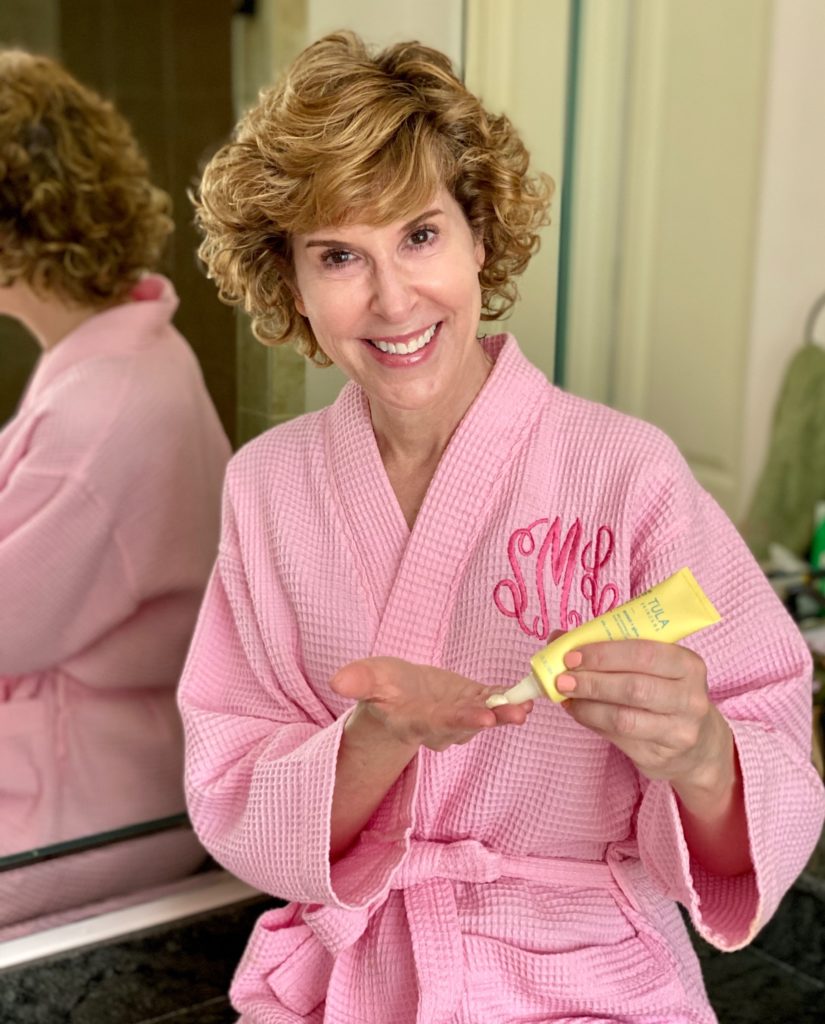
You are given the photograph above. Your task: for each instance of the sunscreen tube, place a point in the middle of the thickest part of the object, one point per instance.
(668, 612)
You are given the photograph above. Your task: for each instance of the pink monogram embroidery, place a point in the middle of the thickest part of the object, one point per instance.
(590, 581)
(512, 596)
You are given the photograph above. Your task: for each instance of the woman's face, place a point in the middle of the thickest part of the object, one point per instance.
(397, 307)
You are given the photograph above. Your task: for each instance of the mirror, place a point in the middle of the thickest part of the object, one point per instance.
(112, 451)
(686, 230)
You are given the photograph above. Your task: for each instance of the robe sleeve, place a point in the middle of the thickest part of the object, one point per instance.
(759, 676)
(260, 765)
(64, 579)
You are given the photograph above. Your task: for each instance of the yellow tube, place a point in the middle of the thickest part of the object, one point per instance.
(668, 612)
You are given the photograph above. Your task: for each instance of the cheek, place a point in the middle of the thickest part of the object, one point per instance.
(318, 307)
(333, 317)
(468, 286)
(456, 288)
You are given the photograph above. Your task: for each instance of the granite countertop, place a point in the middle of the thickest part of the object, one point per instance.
(179, 973)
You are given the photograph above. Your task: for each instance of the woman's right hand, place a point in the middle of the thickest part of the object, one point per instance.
(420, 705)
(401, 707)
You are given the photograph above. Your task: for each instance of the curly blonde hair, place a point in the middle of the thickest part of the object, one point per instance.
(79, 217)
(351, 136)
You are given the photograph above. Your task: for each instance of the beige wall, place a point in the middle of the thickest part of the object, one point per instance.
(681, 229)
(683, 348)
(698, 242)
(789, 272)
(437, 23)
(517, 64)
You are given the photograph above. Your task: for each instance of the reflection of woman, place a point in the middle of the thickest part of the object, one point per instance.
(110, 476)
(381, 555)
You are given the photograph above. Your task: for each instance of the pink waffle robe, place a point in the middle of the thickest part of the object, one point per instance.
(110, 479)
(531, 874)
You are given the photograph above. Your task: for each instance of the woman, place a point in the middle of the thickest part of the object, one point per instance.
(110, 477)
(386, 561)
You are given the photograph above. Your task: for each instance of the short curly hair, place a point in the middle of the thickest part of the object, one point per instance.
(79, 217)
(349, 135)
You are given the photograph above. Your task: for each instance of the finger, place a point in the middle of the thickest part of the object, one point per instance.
(686, 696)
(619, 722)
(652, 657)
(358, 680)
(513, 714)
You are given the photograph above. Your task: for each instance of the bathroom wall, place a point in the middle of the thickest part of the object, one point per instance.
(270, 380)
(517, 62)
(698, 246)
(789, 271)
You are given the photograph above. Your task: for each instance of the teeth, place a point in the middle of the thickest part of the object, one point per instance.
(406, 348)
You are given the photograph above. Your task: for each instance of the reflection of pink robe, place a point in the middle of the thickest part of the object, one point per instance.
(530, 874)
(110, 477)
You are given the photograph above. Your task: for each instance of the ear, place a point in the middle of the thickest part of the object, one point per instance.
(296, 295)
(479, 253)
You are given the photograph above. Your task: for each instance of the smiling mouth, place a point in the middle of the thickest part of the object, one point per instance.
(405, 348)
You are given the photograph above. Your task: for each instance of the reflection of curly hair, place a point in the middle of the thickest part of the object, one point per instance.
(79, 217)
(348, 136)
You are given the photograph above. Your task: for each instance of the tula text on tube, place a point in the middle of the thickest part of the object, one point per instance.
(668, 612)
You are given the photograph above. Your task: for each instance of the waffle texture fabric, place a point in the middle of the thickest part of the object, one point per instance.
(531, 874)
(110, 480)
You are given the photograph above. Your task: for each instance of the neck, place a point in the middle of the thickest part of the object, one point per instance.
(417, 437)
(411, 439)
(48, 317)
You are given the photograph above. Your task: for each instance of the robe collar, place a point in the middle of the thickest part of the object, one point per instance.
(122, 329)
(412, 576)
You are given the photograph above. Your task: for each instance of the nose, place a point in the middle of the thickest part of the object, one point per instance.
(393, 294)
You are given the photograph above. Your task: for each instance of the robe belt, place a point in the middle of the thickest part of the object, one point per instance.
(426, 877)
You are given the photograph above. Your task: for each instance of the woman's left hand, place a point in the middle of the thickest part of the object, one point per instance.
(651, 700)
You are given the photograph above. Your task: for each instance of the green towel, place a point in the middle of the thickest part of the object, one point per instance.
(793, 478)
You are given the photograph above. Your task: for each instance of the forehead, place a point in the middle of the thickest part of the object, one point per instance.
(368, 222)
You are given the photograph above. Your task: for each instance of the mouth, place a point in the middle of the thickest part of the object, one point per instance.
(405, 346)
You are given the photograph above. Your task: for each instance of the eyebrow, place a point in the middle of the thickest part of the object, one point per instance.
(331, 243)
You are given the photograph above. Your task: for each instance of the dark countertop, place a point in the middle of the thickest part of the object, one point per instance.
(179, 973)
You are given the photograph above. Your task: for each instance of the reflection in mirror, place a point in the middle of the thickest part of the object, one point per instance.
(110, 477)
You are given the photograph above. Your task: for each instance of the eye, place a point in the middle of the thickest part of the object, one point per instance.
(337, 258)
(424, 235)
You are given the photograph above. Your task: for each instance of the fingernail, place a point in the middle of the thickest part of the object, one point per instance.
(573, 659)
(565, 684)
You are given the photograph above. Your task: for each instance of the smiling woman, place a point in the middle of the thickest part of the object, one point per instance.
(396, 307)
(343, 140)
(389, 563)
